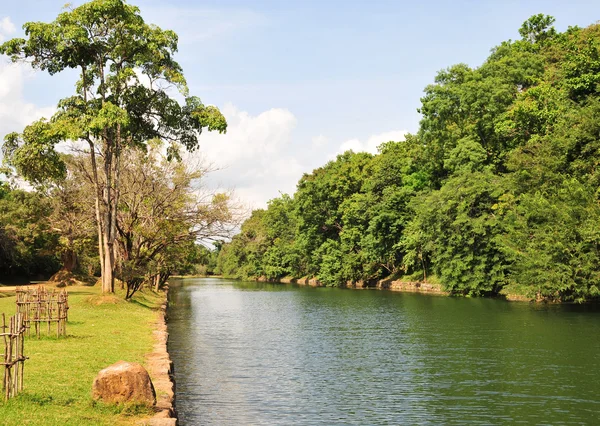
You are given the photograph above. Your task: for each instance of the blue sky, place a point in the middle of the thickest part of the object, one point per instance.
(299, 81)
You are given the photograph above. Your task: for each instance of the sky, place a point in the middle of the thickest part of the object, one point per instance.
(299, 81)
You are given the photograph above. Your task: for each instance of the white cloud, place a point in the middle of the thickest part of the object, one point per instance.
(371, 144)
(351, 144)
(15, 111)
(319, 141)
(253, 156)
(6, 28)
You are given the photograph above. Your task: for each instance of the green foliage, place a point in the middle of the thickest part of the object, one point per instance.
(242, 258)
(455, 229)
(33, 154)
(330, 260)
(468, 156)
(319, 203)
(27, 244)
(194, 259)
(537, 29)
(281, 258)
(553, 242)
(112, 46)
(580, 67)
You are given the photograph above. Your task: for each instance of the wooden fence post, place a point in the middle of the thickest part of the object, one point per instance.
(38, 306)
(13, 336)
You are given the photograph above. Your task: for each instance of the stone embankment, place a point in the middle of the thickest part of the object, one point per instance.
(411, 286)
(160, 367)
(385, 284)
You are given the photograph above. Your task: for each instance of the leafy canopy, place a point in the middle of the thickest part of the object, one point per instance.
(122, 96)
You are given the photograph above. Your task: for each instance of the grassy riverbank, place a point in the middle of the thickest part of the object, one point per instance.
(59, 373)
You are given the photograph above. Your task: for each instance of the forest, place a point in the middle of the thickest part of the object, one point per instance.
(497, 192)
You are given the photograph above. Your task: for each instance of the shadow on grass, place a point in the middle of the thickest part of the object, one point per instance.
(144, 304)
(127, 409)
(36, 399)
(79, 292)
(45, 337)
(43, 400)
(79, 336)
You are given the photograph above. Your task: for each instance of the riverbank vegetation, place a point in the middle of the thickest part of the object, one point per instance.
(496, 193)
(102, 330)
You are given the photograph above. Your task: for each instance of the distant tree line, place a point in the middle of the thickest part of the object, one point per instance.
(498, 191)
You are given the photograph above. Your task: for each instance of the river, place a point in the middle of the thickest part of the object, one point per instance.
(278, 354)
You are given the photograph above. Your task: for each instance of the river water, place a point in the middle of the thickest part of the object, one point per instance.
(276, 354)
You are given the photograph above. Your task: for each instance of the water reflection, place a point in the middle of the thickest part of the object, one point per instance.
(260, 353)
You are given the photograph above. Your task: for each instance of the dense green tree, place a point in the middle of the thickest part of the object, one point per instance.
(397, 174)
(27, 242)
(242, 257)
(282, 257)
(537, 29)
(553, 242)
(319, 203)
(454, 230)
(198, 259)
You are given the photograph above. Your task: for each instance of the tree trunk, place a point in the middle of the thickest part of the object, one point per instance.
(101, 236)
(108, 253)
(70, 260)
(108, 270)
(162, 279)
(99, 227)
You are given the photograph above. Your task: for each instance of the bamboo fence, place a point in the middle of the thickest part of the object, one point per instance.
(13, 359)
(39, 306)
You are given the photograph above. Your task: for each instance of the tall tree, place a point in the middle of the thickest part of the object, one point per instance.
(162, 210)
(319, 202)
(126, 69)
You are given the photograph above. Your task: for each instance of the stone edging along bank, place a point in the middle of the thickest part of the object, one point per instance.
(160, 367)
(394, 285)
(385, 284)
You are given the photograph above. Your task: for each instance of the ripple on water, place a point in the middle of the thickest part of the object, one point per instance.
(281, 354)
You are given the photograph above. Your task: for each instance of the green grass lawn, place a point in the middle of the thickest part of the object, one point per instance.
(59, 373)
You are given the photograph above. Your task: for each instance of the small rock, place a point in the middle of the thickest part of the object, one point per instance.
(162, 422)
(124, 382)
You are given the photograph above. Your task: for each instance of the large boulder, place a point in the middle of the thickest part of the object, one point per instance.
(124, 382)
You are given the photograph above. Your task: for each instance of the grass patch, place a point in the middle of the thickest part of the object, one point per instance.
(517, 292)
(59, 373)
(416, 276)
